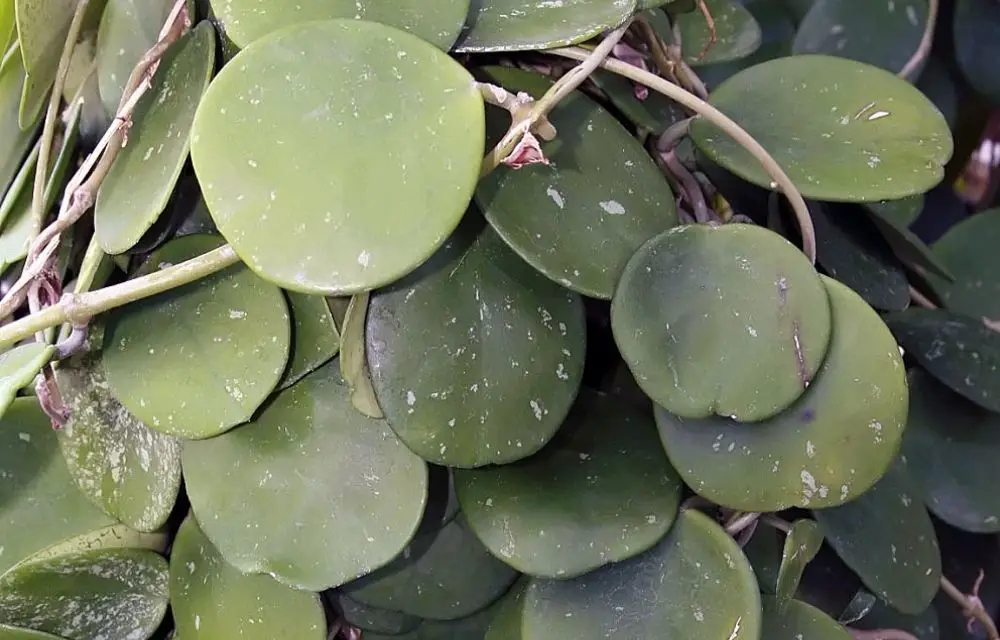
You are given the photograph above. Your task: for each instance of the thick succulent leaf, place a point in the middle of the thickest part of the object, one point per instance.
(245, 21)
(579, 219)
(686, 287)
(507, 613)
(764, 551)
(315, 340)
(900, 213)
(695, 584)
(354, 358)
(319, 219)
(798, 621)
(42, 28)
(442, 575)
(907, 245)
(737, 34)
(953, 445)
(127, 30)
(958, 350)
(472, 627)
(924, 626)
(8, 632)
(860, 606)
(209, 599)
(476, 358)
(802, 543)
(39, 503)
(777, 31)
(655, 113)
(976, 30)
(850, 248)
(374, 619)
(138, 186)
(14, 142)
(120, 464)
(831, 446)
(884, 33)
(109, 593)
(968, 251)
(115, 536)
(835, 136)
(18, 368)
(887, 538)
(7, 23)
(310, 491)
(534, 516)
(199, 359)
(515, 25)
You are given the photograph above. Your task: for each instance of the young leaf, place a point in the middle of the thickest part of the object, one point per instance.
(835, 138)
(14, 142)
(802, 544)
(315, 340)
(210, 599)
(18, 368)
(310, 490)
(831, 446)
(532, 514)
(42, 28)
(362, 210)
(200, 359)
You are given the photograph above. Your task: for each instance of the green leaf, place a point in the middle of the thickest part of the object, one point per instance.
(579, 219)
(958, 350)
(860, 606)
(968, 250)
(376, 620)
(443, 575)
(900, 213)
(310, 491)
(39, 503)
(887, 538)
(115, 536)
(18, 368)
(439, 23)
(476, 358)
(655, 113)
(128, 29)
(507, 613)
(7, 23)
(692, 284)
(924, 626)
(831, 446)
(533, 515)
(737, 34)
(354, 358)
(315, 340)
(885, 34)
(694, 584)
(777, 30)
(764, 551)
(218, 347)
(42, 28)
(907, 246)
(955, 445)
(139, 183)
(321, 219)
(799, 620)
(802, 543)
(110, 593)
(838, 140)
(513, 25)
(975, 28)
(850, 248)
(210, 599)
(14, 142)
(121, 465)
(16, 633)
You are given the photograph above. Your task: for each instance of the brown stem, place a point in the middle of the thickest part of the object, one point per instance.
(926, 41)
(921, 299)
(741, 521)
(971, 605)
(689, 188)
(776, 522)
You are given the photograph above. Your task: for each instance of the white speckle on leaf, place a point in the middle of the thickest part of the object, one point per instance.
(556, 197)
(613, 207)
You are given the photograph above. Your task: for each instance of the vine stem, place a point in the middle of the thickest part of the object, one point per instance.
(721, 120)
(776, 522)
(971, 606)
(79, 308)
(926, 41)
(562, 88)
(921, 299)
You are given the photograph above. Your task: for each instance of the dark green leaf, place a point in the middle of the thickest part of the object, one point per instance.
(376, 620)
(799, 621)
(42, 27)
(802, 543)
(976, 30)
(737, 34)
(969, 251)
(899, 213)
(315, 340)
(18, 368)
(924, 626)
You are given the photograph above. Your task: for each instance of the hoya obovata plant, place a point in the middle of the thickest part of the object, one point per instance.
(502, 319)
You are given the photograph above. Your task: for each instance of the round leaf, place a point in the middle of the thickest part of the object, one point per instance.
(695, 584)
(139, 184)
(924, 626)
(976, 29)
(199, 359)
(953, 445)
(829, 447)
(798, 621)
(18, 368)
(507, 613)
(533, 515)
(737, 33)
(836, 139)
(443, 575)
(514, 25)
(41, 32)
(315, 340)
(115, 536)
(887, 538)
(376, 620)
(16, 633)
(39, 503)
(901, 213)
(957, 350)
(439, 23)
(110, 593)
(885, 34)
(968, 251)
(476, 358)
(310, 491)
(121, 465)
(579, 219)
(320, 219)
(687, 287)
(210, 599)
